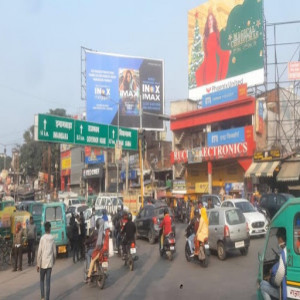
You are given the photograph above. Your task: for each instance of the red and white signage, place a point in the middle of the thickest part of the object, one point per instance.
(294, 70)
(179, 156)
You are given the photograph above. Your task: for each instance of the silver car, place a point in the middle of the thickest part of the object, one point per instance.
(228, 230)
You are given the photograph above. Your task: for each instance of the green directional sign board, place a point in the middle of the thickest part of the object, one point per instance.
(87, 133)
(128, 138)
(49, 128)
(54, 129)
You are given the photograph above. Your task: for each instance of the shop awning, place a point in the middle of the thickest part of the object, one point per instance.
(290, 171)
(262, 169)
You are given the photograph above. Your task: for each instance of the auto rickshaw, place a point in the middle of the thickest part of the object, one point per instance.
(288, 217)
(24, 218)
(5, 221)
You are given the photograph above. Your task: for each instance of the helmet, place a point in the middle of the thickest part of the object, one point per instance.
(118, 209)
(98, 223)
(166, 211)
(197, 212)
(129, 217)
(104, 212)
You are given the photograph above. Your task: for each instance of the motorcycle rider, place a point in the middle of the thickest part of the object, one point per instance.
(117, 226)
(166, 225)
(90, 242)
(192, 230)
(128, 232)
(202, 232)
(99, 243)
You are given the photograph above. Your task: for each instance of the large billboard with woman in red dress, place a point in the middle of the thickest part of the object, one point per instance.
(225, 46)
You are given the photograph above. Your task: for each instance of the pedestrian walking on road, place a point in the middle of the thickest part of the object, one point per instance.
(31, 239)
(18, 248)
(45, 260)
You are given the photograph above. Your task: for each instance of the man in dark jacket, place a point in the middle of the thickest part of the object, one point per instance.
(31, 239)
(82, 235)
(129, 231)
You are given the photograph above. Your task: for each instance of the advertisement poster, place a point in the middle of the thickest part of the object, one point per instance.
(119, 88)
(225, 46)
(93, 155)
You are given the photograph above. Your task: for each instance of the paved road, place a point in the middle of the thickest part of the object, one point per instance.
(153, 277)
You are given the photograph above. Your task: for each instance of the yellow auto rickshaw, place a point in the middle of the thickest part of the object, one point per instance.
(22, 217)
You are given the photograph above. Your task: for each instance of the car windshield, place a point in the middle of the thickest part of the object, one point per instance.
(82, 208)
(245, 206)
(234, 217)
(114, 201)
(71, 209)
(98, 212)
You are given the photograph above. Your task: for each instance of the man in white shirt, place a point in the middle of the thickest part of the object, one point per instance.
(46, 259)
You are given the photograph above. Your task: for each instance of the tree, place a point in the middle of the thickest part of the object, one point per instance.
(197, 55)
(34, 154)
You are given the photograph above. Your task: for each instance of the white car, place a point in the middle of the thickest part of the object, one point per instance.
(257, 222)
(111, 203)
(98, 214)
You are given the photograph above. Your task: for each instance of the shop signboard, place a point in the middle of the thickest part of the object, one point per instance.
(223, 96)
(233, 150)
(224, 137)
(132, 174)
(225, 46)
(179, 185)
(201, 187)
(92, 172)
(267, 155)
(93, 155)
(180, 156)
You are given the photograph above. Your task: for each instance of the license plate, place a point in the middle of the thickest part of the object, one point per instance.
(62, 249)
(132, 250)
(206, 246)
(105, 264)
(239, 244)
(172, 248)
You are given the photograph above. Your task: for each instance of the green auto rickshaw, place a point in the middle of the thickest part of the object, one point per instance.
(288, 218)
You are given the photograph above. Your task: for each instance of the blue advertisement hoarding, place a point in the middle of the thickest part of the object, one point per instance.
(220, 97)
(223, 137)
(117, 85)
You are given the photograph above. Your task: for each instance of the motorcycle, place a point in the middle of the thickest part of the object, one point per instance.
(130, 255)
(99, 273)
(168, 249)
(203, 255)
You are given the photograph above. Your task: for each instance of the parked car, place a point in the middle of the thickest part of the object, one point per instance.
(216, 200)
(110, 202)
(149, 218)
(257, 222)
(273, 202)
(227, 231)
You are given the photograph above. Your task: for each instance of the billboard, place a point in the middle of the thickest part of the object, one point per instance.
(225, 46)
(119, 87)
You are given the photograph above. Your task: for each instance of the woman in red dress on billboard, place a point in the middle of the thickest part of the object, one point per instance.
(211, 69)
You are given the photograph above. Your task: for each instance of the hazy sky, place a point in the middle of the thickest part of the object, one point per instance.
(41, 43)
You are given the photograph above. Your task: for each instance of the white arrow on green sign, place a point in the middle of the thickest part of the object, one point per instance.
(56, 129)
(92, 134)
(127, 137)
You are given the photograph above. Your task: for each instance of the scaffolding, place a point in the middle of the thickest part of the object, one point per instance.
(281, 94)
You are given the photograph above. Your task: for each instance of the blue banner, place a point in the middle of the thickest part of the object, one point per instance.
(94, 160)
(132, 174)
(220, 97)
(223, 137)
(116, 87)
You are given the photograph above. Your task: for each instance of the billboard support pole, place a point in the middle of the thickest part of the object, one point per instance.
(141, 156)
